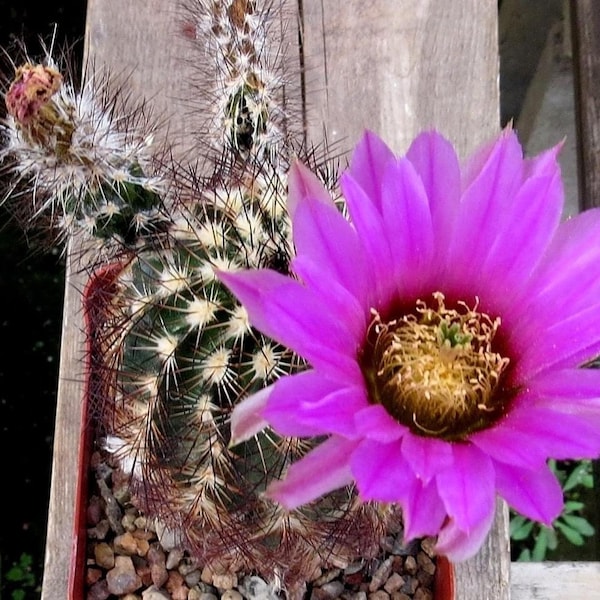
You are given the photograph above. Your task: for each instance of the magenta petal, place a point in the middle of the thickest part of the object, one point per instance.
(426, 456)
(337, 298)
(577, 384)
(524, 236)
(557, 434)
(308, 404)
(509, 445)
(375, 423)
(247, 418)
(286, 311)
(459, 545)
(534, 493)
(485, 204)
(423, 513)
(322, 470)
(381, 473)
(436, 163)
(324, 236)
(568, 278)
(368, 164)
(303, 183)
(467, 488)
(368, 221)
(568, 343)
(408, 226)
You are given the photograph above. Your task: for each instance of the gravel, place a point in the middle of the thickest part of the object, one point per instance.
(126, 561)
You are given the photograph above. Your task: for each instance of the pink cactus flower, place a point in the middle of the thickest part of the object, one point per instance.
(447, 324)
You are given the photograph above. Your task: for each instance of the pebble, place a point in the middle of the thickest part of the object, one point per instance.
(153, 593)
(122, 578)
(132, 558)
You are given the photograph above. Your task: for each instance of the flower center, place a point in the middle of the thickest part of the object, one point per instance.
(435, 370)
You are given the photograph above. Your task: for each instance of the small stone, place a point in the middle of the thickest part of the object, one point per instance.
(379, 595)
(356, 596)
(123, 578)
(399, 596)
(95, 510)
(104, 555)
(176, 586)
(231, 595)
(125, 544)
(410, 586)
(328, 591)
(394, 583)
(130, 597)
(192, 578)
(207, 575)
(207, 596)
(423, 594)
(128, 522)
(224, 581)
(99, 531)
(92, 575)
(153, 593)
(174, 558)
(254, 587)
(425, 563)
(410, 565)
(98, 591)
(428, 546)
(327, 576)
(156, 562)
(381, 575)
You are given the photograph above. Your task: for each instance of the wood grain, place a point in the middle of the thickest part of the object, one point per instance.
(585, 19)
(555, 581)
(394, 67)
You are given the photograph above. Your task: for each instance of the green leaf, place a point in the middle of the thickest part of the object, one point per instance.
(577, 476)
(571, 534)
(580, 524)
(572, 506)
(521, 530)
(541, 545)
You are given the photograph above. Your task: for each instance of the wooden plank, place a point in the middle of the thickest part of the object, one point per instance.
(391, 67)
(400, 67)
(585, 19)
(555, 581)
(67, 440)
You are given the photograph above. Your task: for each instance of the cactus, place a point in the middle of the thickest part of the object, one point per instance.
(79, 161)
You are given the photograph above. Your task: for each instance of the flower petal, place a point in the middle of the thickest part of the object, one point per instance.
(246, 417)
(423, 513)
(308, 404)
(436, 163)
(368, 164)
(556, 434)
(323, 236)
(381, 473)
(467, 487)
(375, 423)
(534, 493)
(426, 456)
(367, 219)
(286, 311)
(323, 469)
(303, 183)
(485, 203)
(458, 544)
(408, 226)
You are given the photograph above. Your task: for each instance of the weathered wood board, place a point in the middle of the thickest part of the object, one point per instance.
(394, 67)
